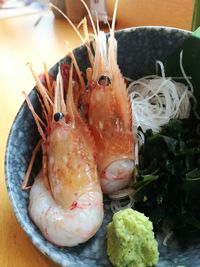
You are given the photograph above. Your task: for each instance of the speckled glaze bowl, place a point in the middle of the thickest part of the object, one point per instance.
(138, 49)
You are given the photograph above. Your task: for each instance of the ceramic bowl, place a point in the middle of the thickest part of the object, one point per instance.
(138, 49)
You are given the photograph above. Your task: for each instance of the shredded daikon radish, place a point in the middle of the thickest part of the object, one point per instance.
(120, 204)
(167, 237)
(121, 194)
(157, 99)
(121, 199)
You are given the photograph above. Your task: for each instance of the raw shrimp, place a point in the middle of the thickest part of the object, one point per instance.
(65, 198)
(109, 109)
(110, 115)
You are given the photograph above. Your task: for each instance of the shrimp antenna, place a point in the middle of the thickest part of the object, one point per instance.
(90, 16)
(49, 87)
(76, 29)
(112, 44)
(25, 182)
(114, 16)
(70, 22)
(71, 54)
(97, 22)
(107, 22)
(71, 109)
(87, 39)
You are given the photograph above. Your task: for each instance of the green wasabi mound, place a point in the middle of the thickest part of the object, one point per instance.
(131, 241)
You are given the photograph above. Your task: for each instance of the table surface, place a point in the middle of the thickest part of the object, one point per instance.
(21, 42)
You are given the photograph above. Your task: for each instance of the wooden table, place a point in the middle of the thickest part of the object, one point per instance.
(21, 42)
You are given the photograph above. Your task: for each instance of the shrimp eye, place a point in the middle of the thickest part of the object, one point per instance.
(58, 116)
(104, 80)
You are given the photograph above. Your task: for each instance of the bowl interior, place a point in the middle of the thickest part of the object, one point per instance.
(138, 49)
